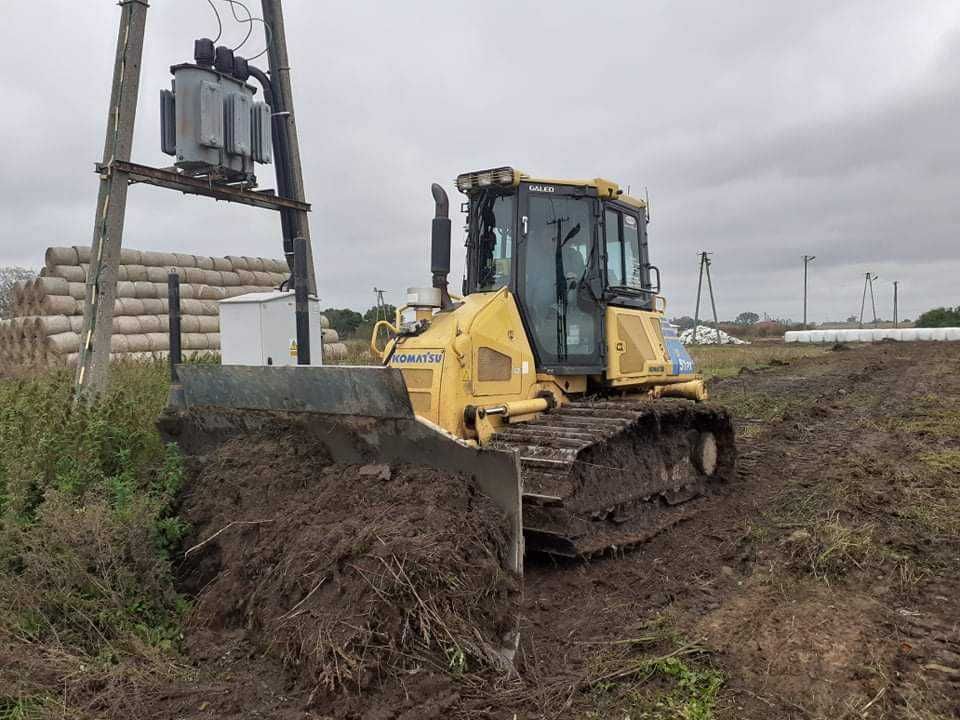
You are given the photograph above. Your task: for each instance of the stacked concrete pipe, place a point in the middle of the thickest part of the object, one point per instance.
(48, 311)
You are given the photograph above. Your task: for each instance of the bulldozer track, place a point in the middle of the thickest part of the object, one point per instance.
(608, 474)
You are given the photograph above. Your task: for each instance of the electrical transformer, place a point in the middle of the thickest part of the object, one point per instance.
(210, 121)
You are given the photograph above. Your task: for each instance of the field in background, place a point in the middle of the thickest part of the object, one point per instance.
(720, 361)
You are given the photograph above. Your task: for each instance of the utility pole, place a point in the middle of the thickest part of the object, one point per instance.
(807, 259)
(713, 304)
(868, 283)
(381, 304)
(705, 268)
(276, 37)
(895, 284)
(696, 312)
(94, 365)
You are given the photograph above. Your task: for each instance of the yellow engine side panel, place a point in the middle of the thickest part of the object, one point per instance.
(477, 354)
(635, 347)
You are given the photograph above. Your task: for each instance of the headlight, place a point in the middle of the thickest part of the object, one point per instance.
(503, 176)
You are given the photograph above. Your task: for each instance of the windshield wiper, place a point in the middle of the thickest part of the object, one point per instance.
(561, 283)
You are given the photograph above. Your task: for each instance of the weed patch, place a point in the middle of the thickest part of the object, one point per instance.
(87, 527)
(674, 685)
(829, 549)
(934, 416)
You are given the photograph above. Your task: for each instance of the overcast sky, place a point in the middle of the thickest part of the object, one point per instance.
(763, 130)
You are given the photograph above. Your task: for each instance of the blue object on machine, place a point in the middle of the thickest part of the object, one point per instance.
(682, 362)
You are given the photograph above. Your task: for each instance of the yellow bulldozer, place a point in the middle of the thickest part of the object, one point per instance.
(553, 377)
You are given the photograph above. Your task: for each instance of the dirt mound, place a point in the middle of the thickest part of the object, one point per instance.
(348, 576)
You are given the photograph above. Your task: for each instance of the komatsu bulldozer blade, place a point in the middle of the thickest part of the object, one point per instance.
(358, 414)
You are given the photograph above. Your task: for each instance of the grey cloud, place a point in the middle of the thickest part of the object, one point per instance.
(763, 130)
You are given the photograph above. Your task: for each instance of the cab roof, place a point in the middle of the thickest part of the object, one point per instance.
(605, 188)
(505, 176)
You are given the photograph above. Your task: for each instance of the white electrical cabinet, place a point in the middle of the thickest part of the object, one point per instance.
(261, 329)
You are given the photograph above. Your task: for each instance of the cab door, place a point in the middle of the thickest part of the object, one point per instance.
(557, 259)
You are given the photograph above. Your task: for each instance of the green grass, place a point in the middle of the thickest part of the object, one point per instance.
(86, 523)
(31, 707)
(933, 415)
(358, 353)
(720, 361)
(658, 675)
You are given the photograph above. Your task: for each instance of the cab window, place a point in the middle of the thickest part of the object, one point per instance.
(491, 232)
(624, 261)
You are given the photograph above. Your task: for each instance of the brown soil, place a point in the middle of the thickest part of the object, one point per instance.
(341, 582)
(823, 583)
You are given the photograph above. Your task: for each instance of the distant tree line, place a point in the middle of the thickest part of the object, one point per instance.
(10, 276)
(940, 317)
(351, 324)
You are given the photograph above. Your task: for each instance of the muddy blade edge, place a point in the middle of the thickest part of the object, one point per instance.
(360, 414)
(609, 474)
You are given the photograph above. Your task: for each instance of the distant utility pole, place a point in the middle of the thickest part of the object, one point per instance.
(705, 263)
(94, 364)
(868, 283)
(807, 259)
(381, 305)
(276, 37)
(895, 284)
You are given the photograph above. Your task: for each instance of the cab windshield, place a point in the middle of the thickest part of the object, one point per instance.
(490, 240)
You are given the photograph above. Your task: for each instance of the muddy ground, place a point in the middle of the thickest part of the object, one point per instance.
(823, 583)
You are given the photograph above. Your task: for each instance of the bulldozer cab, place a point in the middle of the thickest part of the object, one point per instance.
(566, 250)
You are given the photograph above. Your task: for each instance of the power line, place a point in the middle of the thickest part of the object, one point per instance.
(219, 22)
(248, 21)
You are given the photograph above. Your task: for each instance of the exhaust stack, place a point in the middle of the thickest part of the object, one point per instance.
(440, 245)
